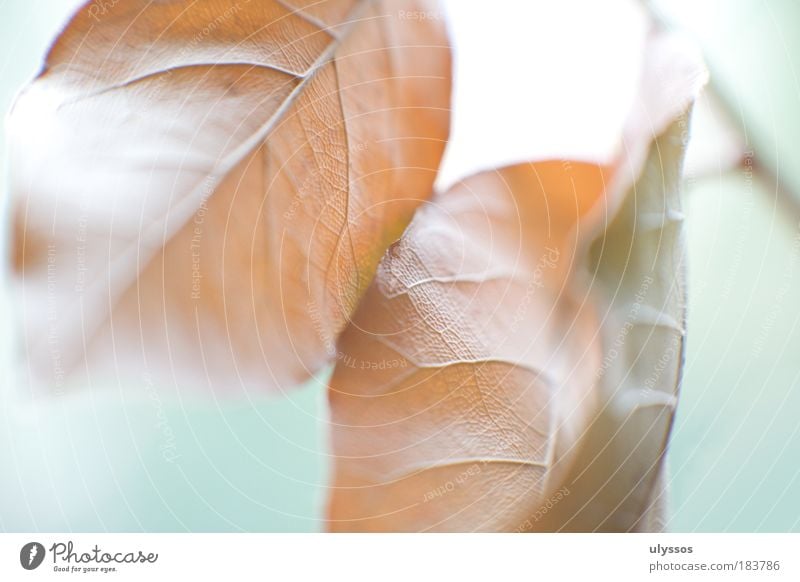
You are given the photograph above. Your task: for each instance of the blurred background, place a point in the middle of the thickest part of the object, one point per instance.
(112, 458)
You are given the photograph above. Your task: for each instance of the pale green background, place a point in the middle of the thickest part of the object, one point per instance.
(94, 462)
(735, 456)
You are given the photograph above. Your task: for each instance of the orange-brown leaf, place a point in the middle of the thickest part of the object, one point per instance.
(205, 189)
(466, 377)
(480, 385)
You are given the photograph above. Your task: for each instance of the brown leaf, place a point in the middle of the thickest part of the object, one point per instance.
(205, 189)
(466, 376)
(472, 372)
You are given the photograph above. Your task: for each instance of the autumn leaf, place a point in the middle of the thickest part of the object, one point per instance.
(467, 372)
(204, 189)
(474, 388)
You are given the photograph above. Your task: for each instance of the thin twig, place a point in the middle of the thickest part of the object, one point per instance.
(763, 169)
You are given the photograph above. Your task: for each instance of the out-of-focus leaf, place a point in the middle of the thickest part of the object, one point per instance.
(205, 188)
(474, 390)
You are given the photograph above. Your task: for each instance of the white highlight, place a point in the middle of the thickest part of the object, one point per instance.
(538, 80)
